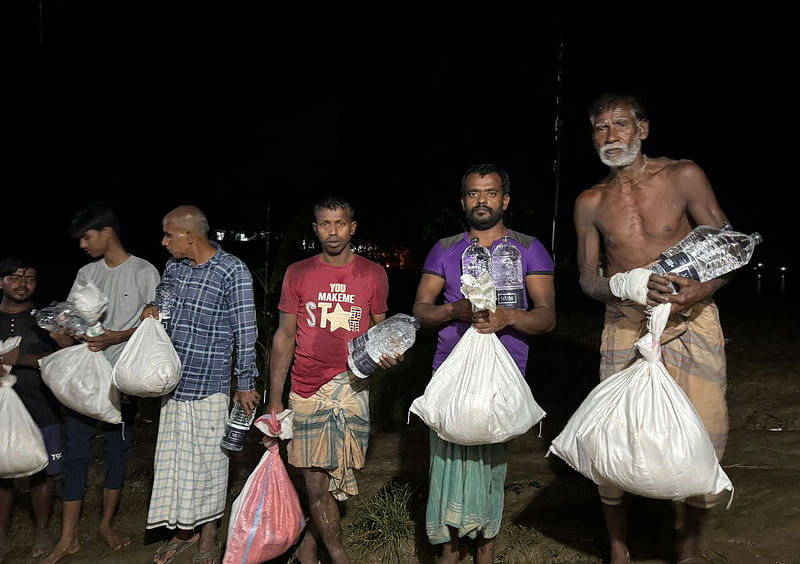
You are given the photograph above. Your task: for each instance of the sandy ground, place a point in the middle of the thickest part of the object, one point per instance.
(552, 514)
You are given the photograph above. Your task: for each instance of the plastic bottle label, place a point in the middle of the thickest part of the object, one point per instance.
(363, 362)
(680, 264)
(234, 437)
(510, 298)
(359, 342)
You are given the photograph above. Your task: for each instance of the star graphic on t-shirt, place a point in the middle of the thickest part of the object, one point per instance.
(339, 318)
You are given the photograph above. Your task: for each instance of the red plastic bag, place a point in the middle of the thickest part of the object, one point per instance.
(266, 517)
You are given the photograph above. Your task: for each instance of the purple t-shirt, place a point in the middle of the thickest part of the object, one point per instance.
(444, 260)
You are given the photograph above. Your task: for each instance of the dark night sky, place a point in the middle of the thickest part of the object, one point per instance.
(242, 110)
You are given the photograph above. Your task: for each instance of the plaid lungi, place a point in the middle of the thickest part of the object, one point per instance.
(191, 469)
(693, 349)
(331, 431)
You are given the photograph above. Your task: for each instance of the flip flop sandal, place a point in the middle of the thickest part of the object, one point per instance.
(165, 548)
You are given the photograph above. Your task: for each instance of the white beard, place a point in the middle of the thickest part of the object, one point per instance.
(626, 157)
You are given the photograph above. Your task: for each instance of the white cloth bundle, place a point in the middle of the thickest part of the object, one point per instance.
(8, 345)
(89, 302)
(22, 449)
(637, 431)
(148, 365)
(478, 394)
(631, 285)
(81, 380)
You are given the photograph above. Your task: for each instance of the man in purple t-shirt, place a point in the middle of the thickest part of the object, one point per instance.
(465, 496)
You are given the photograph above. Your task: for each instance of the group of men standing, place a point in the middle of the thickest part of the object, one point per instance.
(643, 206)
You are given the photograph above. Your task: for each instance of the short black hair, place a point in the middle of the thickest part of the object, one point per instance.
(483, 170)
(97, 215)
(13, 263)
(334, 203)
(608, 99)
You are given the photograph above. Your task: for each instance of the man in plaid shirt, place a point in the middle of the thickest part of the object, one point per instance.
(212, 325)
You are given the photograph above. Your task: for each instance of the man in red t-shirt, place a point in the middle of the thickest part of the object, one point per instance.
(326, 301)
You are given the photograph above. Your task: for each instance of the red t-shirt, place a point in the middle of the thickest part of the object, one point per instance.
(333, 304)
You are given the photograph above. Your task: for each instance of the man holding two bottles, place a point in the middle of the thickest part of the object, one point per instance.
(465, 495)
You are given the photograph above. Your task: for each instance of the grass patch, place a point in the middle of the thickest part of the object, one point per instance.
(518, 545)
(383, 527)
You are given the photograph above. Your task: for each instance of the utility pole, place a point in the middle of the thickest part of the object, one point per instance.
(557, 133)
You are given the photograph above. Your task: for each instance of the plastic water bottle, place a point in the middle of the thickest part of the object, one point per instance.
(165, 298)
(61, 315)
(693, 238)
(236, 428)
(476, 259)
(707, 252)
(393, 335)
(507, 275)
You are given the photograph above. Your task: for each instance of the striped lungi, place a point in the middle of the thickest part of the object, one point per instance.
(191, 469)
(331, 431)
(693, 349)
(465, 489)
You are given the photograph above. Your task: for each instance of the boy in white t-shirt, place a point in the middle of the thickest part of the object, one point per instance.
(129, 282)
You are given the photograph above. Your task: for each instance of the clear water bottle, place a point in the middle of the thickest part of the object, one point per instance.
(507, 275)
(476, 259)
(707, 252)
(165, 298)
(695, 237)
(393, 335)
(61, 315)
(236, 428)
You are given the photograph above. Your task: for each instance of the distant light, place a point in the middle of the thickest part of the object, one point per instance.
(783, 268)
(242, 236)
(220, 234)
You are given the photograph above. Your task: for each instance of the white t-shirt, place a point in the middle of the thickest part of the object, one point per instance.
(128, 286)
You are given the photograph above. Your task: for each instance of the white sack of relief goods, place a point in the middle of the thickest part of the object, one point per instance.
(148, 365)
(478, 394)
(637, 431)
(81, 380)
(22, 449)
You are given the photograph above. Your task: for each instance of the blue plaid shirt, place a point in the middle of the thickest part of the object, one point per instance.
(213, 316)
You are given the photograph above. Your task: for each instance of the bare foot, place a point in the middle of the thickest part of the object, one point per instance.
(65, 547)
(113, 539)
(42, 543)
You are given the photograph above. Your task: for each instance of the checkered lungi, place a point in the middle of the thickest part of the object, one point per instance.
(191, 469)
(331, 431)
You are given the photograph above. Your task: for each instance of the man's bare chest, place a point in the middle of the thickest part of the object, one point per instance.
(645, 211)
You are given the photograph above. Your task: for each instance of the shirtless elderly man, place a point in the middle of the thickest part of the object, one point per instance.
(643, 206)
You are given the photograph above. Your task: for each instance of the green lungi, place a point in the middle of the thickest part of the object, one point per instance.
(465, 489)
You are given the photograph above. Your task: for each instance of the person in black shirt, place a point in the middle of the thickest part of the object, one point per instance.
(18, 278)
